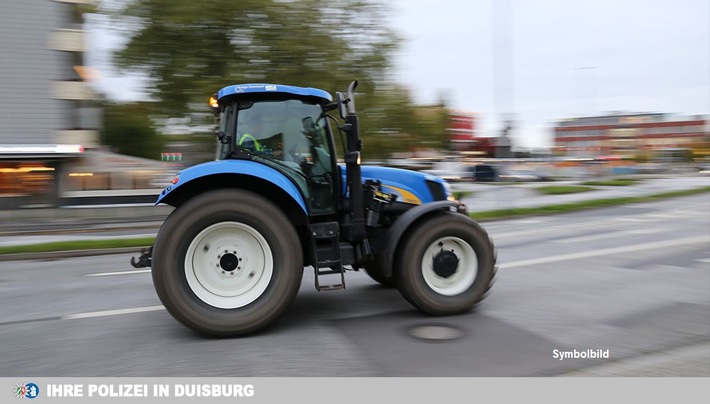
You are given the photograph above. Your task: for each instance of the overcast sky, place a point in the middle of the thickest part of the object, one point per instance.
(541, 60)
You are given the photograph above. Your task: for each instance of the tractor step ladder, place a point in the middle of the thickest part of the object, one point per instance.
(328, 260)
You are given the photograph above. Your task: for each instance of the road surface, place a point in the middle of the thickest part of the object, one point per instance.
(629, 283)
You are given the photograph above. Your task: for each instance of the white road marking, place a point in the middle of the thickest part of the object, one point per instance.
(604, 236)
(140, 271)
(696, 210)
(553, 229)
(606, 251)
(635, 219)
(108, 313)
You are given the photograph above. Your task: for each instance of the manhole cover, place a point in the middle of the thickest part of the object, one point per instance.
(435, 332)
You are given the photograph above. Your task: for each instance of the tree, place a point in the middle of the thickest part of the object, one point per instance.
(129, 130)
(391, 123)
(190, 49)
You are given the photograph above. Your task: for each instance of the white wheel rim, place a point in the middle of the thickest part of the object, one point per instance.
(466, 270)
(229, 265)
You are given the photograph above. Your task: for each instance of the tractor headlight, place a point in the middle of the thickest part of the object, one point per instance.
(447, 189)
(449, 192)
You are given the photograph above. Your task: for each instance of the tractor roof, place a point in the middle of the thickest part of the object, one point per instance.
(269, 89)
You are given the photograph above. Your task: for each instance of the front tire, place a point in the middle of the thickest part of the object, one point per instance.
(227, 263)
(446, 264)
(375, 271)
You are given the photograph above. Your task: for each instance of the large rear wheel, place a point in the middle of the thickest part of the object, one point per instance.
(227, 263)
(446, 264)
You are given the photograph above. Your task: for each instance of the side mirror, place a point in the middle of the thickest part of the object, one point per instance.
(341, 101)
(351, 97)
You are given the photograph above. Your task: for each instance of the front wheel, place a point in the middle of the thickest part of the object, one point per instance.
(446, 264)
(227, 263)
(375, 271)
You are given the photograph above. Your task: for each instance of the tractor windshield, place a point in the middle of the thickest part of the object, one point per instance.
(289, 135)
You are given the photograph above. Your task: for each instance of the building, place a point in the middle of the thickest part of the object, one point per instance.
(462, 129)
(50, 117)
(464, 136)
(634, 135)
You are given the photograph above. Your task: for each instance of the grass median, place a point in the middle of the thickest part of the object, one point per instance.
(563, 189)
(480, 216)
(586, 186)
(613, 182)
(74, 245)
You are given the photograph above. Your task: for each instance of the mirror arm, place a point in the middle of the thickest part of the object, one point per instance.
(330, 107)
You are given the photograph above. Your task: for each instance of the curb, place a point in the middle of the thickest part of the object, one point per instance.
(69, 254)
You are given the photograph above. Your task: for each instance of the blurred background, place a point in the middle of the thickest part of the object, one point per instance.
(102, 101)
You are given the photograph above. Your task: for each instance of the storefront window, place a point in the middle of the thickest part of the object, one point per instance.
(26, 178)
(121, 180)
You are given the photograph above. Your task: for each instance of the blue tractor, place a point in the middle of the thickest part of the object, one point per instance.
(229, 259)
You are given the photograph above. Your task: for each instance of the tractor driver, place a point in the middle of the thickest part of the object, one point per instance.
(251, 129)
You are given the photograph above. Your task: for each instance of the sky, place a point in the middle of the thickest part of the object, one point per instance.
(532, 61)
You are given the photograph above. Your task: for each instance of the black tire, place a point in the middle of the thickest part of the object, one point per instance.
(445, 265)
(245, 263)
(374, 270)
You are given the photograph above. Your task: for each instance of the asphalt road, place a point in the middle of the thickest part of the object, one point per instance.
(633, 280)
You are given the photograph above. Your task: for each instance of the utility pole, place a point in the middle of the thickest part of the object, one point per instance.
(578, 79)
(503, 71)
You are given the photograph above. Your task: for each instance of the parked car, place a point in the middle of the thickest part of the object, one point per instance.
(482, 173)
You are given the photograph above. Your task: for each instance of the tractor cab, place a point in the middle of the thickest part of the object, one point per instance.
(285, 128)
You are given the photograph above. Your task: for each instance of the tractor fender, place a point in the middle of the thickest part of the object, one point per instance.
(258, 171)
(405, 222)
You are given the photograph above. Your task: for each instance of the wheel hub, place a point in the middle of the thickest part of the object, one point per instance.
(445, 263)
(229, 262)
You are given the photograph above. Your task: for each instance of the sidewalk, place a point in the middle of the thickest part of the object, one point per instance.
(27, 226)
(80, 218)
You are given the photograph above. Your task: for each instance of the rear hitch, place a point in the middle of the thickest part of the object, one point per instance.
(144, 259)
